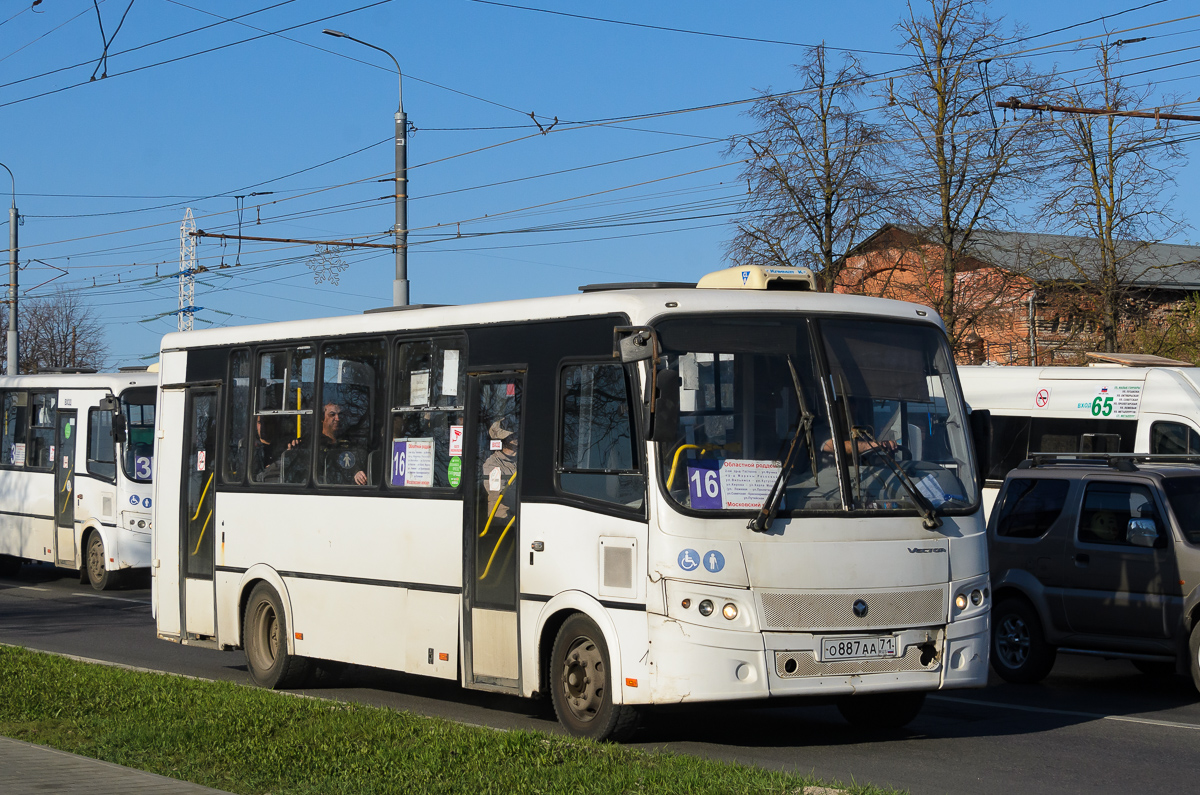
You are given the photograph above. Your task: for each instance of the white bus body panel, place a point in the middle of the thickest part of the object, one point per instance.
(1169, 394)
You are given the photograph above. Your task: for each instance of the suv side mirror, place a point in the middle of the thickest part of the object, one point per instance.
(1142, 533)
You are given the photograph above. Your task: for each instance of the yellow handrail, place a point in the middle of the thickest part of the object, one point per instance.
(496, 548)
(66, 489)
(732, 447)
(496, 506)
(207, 519)
(200, 504)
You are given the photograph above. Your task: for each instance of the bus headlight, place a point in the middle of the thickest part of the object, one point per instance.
(977, 597)
(706, 608)
(960, 601)
(729, 611)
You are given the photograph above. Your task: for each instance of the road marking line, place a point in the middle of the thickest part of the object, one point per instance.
(1094, 715)
(112, 598)
(31, 588)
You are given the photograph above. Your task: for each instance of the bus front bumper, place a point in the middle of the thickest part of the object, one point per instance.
(689, 662)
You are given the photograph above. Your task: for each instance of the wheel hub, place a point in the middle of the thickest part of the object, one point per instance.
(583, 679)
(1012, 642)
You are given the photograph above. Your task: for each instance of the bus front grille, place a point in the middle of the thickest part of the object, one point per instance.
(795, 664)
(801, 611)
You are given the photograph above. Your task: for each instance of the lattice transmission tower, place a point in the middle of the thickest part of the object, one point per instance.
(187, 272)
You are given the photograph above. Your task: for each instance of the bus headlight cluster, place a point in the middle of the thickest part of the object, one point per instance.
(975, 597)
(706, 608)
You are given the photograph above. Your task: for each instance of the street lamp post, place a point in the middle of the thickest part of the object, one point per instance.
(13, 217)
(400, 284)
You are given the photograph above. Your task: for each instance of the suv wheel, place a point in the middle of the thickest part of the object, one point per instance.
(1020, 653)
(1194, 654)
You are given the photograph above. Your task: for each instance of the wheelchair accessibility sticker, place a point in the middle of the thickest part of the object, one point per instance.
(690, 560)
(133, 499)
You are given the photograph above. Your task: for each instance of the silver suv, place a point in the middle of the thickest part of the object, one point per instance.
(1097, 554)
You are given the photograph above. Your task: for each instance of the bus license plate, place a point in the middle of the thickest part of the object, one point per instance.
(858, 648)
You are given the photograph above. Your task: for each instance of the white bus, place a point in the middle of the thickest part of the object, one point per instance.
(642, 494)
(76, 459)
(1016, 411)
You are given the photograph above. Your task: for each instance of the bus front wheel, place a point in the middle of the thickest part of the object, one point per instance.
(94, 556)
(264, 638)
(581, 684)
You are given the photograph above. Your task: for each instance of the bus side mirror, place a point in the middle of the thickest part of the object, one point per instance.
(981, 436)
(664, 418)
(111, 404)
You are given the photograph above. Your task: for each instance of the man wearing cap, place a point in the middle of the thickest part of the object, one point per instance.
(500, 467)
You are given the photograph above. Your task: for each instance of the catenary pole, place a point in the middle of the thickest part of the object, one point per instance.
(13, 351)
(400, 284)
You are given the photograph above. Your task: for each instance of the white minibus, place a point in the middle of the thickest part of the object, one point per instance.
(76, 458)
(1016, 411)
(642, 494)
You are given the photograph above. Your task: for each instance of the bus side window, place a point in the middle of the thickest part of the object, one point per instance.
(41, 432)
(1173, 438)
(353, 386)
(238, 418)
(12, 447)
(283, 416)
(596, 451)
(426, 435)
(101, 449)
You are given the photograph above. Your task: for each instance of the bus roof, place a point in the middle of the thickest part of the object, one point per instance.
(639, 305)
(114, 382)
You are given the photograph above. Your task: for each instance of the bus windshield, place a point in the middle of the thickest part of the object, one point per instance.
(871, 405)
(138, 407)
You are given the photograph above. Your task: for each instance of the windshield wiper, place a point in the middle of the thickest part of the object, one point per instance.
(804, 423)
(929, 517)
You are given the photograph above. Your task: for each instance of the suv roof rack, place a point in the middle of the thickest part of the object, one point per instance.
(1123, 462)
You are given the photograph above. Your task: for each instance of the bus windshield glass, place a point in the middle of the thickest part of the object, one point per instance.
(870, 405)
(138, 407)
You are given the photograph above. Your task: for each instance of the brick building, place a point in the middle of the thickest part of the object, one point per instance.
(1020, 297)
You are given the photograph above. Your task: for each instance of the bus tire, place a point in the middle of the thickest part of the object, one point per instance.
(581, 684)
(9, 566)
(264, 638)
(94, 557)
(882, 711)
(1020, 653)
(1194, 655)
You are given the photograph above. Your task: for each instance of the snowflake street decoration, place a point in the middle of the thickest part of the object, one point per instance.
(327, 264)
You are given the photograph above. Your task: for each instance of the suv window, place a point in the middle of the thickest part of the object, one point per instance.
(1184, 496)
(1108, 507)
(1030, 506)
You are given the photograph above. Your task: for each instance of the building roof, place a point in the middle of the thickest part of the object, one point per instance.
(1163, 266)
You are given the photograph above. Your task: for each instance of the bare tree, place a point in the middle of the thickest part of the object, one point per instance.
(59, 330)
(960, 169)
(1113, 193)
(809, 169)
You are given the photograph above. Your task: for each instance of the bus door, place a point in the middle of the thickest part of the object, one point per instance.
(198, 522)
(63, 456)
(491, 527)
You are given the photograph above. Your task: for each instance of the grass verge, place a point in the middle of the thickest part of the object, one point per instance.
(247, 740)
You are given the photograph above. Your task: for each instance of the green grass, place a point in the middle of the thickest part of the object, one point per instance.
(248, 740)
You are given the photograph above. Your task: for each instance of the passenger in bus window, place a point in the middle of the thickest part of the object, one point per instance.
(269, 447)
(342, 463)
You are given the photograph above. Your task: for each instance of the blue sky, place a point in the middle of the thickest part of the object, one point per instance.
(105, 169)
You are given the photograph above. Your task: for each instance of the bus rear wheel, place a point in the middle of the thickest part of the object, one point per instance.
(94, 561)
(581, 684)
(264, 638)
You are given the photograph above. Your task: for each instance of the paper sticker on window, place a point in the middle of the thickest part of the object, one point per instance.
(450, 373)
(418, 388)
(18, 455)
(412, 462)
(199, 461)
(732, 483)
(934, 492)
(456, 440)
(495, 444)
(494, 479)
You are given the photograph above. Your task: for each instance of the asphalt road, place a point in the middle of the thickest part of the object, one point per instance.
(1094, 725)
